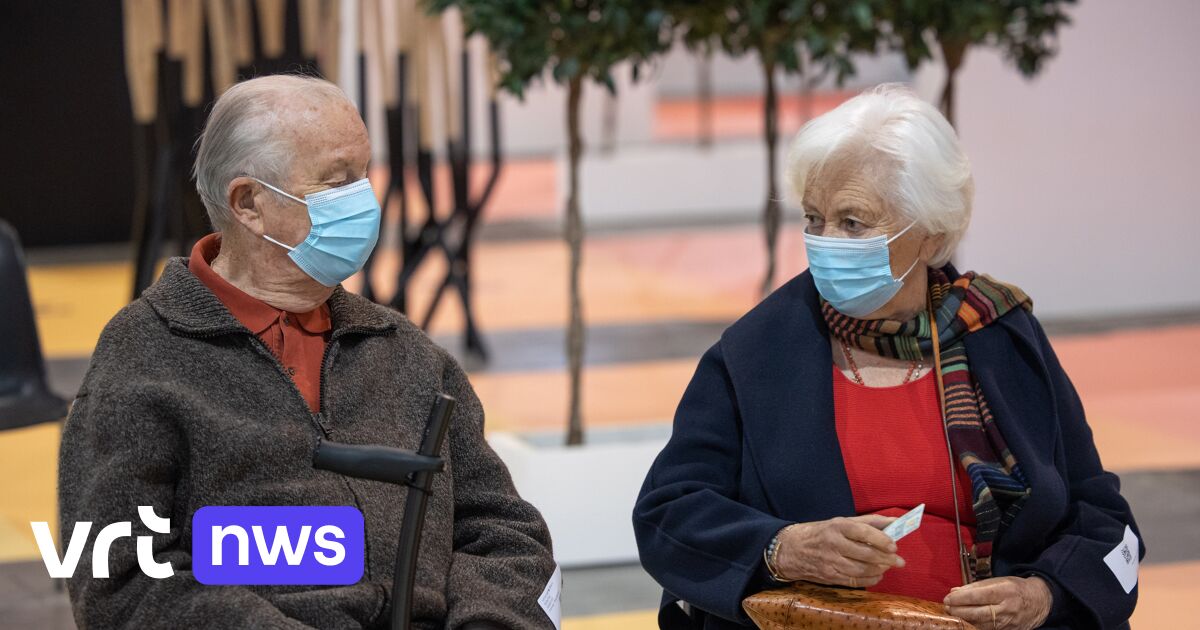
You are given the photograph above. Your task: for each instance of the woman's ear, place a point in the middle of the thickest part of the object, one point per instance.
(931, 245)
(241, 195)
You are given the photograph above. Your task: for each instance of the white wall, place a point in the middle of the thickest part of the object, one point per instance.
(676, 74)
(1087, 177)
(537, 125)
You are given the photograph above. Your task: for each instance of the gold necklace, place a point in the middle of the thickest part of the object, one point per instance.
(913, 367)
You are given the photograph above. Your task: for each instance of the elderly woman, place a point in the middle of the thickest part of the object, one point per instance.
(879, 380)
(214, 387)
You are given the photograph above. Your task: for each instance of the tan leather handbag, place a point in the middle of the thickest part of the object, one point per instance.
(803, 605)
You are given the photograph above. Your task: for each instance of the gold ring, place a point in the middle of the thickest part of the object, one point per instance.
(992, 608)
(853, 582)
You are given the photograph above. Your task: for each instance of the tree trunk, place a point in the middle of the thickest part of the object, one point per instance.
(704, 94)
(953, 53)
(574, 237)
(806, 95)
(608, 142)
(771, 211)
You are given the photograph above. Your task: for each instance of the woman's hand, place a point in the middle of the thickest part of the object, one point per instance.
(1004, 603)
(840, 552)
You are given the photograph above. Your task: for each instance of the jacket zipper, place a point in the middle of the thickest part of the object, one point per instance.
(316, 419)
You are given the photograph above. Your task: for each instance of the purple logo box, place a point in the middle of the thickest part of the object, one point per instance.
(311, 545)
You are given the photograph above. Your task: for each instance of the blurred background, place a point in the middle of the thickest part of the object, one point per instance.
(622, 187)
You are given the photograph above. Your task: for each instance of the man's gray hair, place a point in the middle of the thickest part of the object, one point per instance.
(929, 177)
(245, 135)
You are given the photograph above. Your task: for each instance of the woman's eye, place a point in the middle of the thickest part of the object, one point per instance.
(852, 225)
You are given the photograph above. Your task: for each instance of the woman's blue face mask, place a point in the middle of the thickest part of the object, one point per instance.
(854, 274)
(345, 228)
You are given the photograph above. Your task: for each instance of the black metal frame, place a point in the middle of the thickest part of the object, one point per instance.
(399, 466)
(453, 235)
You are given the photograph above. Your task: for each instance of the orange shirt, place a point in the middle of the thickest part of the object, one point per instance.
(296, 339)
(896, 459)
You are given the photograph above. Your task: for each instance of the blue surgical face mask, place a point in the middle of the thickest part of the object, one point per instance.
(854, 274)
(345, 228)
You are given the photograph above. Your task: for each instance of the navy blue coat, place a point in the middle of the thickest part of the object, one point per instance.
(754, 448)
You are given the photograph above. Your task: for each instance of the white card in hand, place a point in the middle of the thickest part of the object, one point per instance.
(906, 524)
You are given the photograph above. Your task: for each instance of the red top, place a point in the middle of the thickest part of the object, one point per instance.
(296, 339)
(896, 459)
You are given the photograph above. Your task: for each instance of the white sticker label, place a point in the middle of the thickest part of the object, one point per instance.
(1123, 560)
(551, 598)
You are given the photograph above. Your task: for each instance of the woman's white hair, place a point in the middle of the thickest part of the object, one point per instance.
(245, 135)
(929, 177)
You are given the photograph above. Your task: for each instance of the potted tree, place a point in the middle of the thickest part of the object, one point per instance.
(573, 42)
(775, 31)
(1023, 29)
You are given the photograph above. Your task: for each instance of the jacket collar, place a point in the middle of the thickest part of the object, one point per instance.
(190, 308)
(778, 357)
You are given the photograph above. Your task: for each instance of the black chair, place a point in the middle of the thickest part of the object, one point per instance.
(399, 466)
(24, 397)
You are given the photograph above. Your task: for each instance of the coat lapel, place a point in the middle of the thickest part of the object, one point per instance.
(778, 357)
(1005, 359)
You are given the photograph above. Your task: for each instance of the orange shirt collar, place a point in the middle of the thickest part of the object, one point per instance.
(252, 312)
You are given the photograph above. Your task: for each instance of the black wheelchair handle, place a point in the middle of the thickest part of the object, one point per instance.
(371, 461)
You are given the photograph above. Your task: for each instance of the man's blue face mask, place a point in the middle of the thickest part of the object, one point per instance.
(345, 228)
(854, 274)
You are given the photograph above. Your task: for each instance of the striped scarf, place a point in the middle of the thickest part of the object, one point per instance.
(998, 487)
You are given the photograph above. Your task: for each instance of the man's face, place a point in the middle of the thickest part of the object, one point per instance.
(330, 149)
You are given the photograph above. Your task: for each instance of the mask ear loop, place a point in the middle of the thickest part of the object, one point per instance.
(889, 241)
(299, 200)
(287, 247)
(910, 268)
(915, 261)
(292, 197)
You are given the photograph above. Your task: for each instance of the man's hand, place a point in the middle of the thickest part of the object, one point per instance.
(1004, 603)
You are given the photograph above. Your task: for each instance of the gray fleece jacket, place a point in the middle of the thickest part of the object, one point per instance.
(183, 407)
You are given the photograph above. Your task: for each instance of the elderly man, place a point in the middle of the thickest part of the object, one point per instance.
(215, 386)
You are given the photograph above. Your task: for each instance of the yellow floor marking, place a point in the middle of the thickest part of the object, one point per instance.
(74, 302)
(640, 620)
(1164, 592)
(29, 468)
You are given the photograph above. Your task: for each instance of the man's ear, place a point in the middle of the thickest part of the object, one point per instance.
(240, 196)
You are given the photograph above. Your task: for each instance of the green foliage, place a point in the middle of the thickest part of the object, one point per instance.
(777, 29)
(570, 38)
(1023, 30)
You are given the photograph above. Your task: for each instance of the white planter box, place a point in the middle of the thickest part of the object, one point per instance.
(586, 494)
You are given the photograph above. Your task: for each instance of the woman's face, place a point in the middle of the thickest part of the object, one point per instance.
(842, 200)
